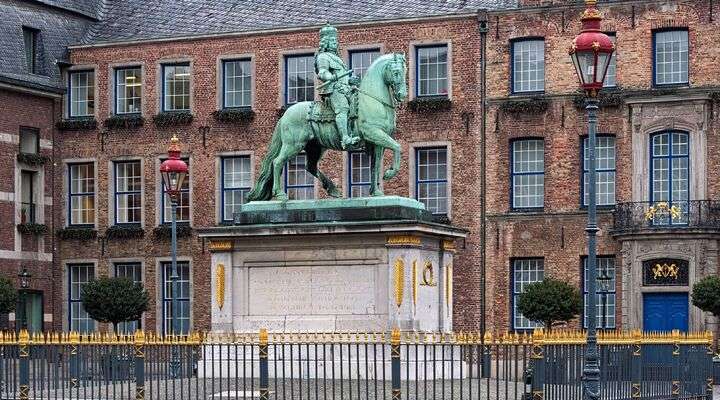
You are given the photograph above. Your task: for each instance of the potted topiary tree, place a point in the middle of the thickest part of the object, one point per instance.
(550, 301)
(706, 295)
(115, 300)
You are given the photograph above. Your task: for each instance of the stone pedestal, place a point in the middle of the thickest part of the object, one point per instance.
(332, 265)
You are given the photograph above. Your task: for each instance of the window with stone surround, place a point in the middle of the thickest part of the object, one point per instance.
(360, 60)
(183, 312)
(299, 78)
(358, 174)
(605, 167)
(432, 70)
(81, 93)
(528, 65)
(431, 183)
(605, 288)
(28, 195)
(182, 211)
(524, 272)
(79, 319)
(670, 54)
(299, 183)
(29, 140)
(128, 192)
(528, 173)
(176, 87)
(236, 183)
(670, 174)
(132, 271)
(81, 194)
(237, 83)
(128, 90)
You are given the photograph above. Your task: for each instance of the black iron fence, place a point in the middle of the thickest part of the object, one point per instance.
(408, 365)
(697, 214)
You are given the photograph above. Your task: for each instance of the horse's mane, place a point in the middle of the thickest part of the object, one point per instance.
(376, 68)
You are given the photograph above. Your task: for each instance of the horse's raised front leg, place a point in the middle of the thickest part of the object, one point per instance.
(314, 154)
(376, 165)
(381, 139)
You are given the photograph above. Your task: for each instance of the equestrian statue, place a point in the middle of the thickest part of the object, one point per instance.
(351, 115)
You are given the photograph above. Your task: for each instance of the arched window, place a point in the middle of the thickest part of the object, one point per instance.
(669, 174)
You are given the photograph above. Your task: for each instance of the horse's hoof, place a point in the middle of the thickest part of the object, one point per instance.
(334, 192)
(377, 193)
(281, 197)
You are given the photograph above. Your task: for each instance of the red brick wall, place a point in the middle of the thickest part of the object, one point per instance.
(26, 110)
(149, 142)
(557, 232)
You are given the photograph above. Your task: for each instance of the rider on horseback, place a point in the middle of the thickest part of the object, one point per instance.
(334, 74)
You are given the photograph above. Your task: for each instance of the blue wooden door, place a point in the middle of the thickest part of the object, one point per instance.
(663, 312)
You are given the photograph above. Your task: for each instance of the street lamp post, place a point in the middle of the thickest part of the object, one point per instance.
(591, 52)
(173, 171)
(24, 276)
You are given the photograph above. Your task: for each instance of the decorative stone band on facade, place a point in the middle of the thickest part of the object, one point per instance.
(404, 240)
(220, 245)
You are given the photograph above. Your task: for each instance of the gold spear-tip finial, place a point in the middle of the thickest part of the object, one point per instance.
(590, 3)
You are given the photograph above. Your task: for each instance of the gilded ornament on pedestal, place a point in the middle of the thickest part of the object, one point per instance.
(220, 285)
(428, 275)
(399, 281)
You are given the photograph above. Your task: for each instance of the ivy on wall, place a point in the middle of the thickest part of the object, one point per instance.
(32, 229)
(32, 159)
(124, 121)
(76, 233)
(124, 232)
(165, 231)
(172, 118)
(234, 115)
(534, 105)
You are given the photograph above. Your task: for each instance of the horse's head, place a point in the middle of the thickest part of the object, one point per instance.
(394, 76)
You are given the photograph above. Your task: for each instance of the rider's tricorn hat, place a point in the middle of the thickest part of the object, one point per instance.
(328, 31)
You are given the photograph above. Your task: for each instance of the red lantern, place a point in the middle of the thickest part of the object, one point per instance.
(591, 51)
(173, 170)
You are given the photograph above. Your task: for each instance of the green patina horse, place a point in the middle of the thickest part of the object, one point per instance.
(381, 90)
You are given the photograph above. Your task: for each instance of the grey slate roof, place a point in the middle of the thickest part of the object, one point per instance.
(151, 19)
(89, 8)
(57, 29)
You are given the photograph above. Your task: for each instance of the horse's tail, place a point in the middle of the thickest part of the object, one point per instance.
(264, 185)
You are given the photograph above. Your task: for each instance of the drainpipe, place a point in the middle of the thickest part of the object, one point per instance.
(483, 30)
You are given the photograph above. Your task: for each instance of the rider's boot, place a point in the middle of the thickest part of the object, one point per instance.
(342, 125)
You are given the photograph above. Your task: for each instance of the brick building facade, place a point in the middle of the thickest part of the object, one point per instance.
(521, 202)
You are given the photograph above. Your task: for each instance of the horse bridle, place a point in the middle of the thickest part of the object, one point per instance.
(391, 91)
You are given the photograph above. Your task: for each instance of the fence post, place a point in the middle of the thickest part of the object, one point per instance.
(74, 339)
(537, 354)
(24, 352)
(675, 388)
(139, 365)
(486, 355)
(395, 363)
(636, 370)
(263, 348)
(711, 372)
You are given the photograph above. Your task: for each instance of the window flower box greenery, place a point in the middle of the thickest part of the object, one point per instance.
(607, 99)
(234, 115)
(76, 233)
(29, 228)
(124, 121)
(534, 105)
(429, 104)
(32, 159)
(77, 124)
(124, 232)
(172, 118)
(165, 231)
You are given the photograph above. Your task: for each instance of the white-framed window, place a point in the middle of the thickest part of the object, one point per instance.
(432, 70)
(299, 183)
(359, 165)
(182, 211)
(431, 172)
(81, 194)
(128, 192)
(183, 268)
(237, 83)
(605, 289)
(524, 272)
(360, 60)
(605, 167)
(132, 271)
(128, 90)
(236, 183)
(78, 275)
(528, 173)
(176, 87)
(670, 57)
(611, 75)
(81, 93)
(299, 78)
(528, 65)
(670, 175)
